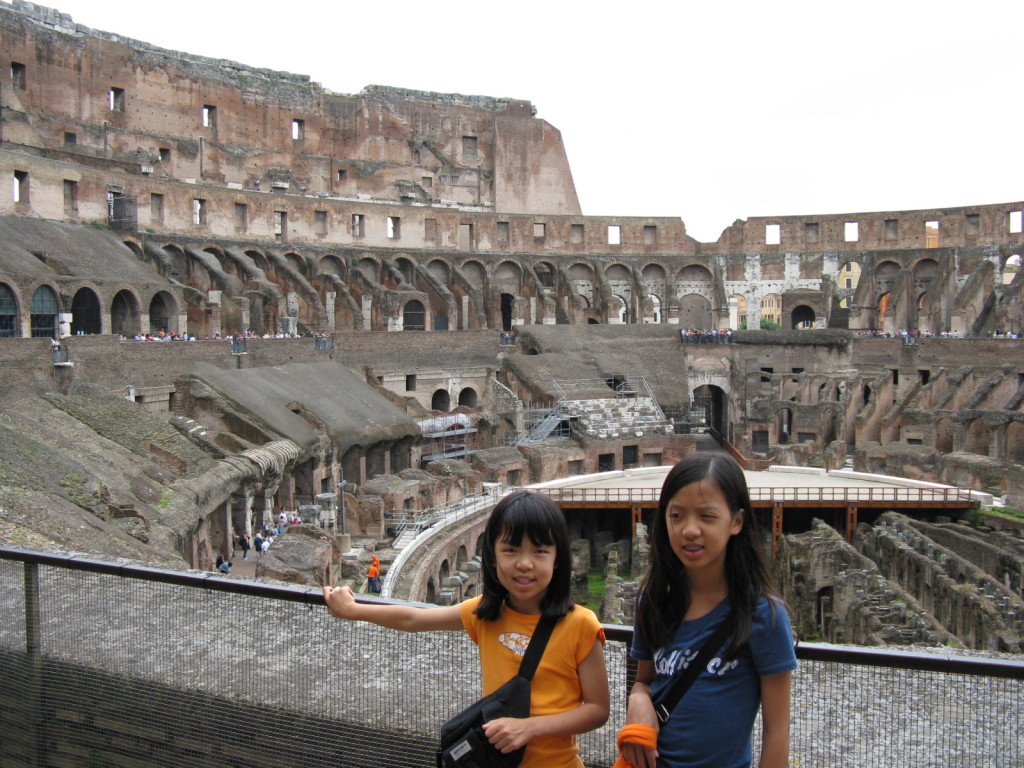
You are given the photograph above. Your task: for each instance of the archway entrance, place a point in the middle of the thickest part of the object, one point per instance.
(85, 313)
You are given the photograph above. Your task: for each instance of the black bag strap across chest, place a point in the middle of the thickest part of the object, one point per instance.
(672, 695)
(536, 647)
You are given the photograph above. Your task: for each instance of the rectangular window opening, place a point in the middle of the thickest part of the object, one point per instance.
(116, 99)
(576, 234)
(342, 174)
(241, 217)
(320, 223)
(358, 225)
(281, 225)
(209, 116)
(427, 182)
(501, 233)
(924, 375)
(1016, 222)
(18, 76)
(772, 234)
(811, 232)
(298, 130)
(931, 234)
(430, 230)
(469, 146)
(198, 212)
(165, 155)
(394, 227)
(70, 138)
(891, 229)
(650, 235)
(156, 208)
(410, 382)
(972, 224)
(70, 197)
(20, 190)
(851, 232)
(466, 237)
(614, 234)
(539, 230)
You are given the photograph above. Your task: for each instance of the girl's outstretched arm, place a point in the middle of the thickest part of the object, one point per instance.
(342, 604)
(508, 734)
(641, 710)
(775, 697)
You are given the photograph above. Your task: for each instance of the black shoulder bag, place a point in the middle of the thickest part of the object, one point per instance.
(463, 742)
(672, 695)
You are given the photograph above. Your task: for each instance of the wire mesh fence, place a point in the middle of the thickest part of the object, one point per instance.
(110, 666)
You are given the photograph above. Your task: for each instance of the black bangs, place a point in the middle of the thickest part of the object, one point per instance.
(520, 520)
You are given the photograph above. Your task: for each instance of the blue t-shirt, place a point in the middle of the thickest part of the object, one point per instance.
(712, 724)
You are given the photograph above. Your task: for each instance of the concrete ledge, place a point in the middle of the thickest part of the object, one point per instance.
(798, 470)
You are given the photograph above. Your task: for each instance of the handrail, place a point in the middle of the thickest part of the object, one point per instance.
(939, 661)
(780, 494)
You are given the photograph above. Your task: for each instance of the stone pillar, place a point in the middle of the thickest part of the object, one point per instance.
(214, 307)
(367, 312)
(465, 313)
(329, 299)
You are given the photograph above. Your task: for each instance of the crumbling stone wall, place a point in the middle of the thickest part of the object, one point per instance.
(970, 603)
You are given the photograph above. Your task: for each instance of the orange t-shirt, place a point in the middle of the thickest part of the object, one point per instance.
(373, 572)
(556, 684)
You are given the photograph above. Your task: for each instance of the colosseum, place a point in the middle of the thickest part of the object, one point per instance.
(226, 291)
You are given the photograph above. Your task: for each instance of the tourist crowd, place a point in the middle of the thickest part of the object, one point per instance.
(705, 336)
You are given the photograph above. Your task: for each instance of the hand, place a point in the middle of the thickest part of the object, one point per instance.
(340, 602)
(507, 734)
(641, 710)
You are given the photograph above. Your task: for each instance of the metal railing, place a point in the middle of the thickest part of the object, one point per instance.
(809, 495)
(114, 664)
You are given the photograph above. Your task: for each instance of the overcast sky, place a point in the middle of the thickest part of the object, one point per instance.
(711, 114)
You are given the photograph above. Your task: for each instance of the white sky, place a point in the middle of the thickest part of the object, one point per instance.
(711, 114)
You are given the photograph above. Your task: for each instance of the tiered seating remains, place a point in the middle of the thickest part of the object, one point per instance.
(619, 417)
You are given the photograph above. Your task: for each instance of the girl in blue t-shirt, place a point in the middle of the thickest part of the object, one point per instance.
(707, 560)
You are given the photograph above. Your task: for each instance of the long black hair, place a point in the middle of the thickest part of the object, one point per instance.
(538, 518)
(665, 592)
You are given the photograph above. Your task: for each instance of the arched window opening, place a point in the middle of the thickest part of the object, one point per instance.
(468, 397)
(8, 313)
(85, 313)
(414, 317)
(441, 401)
(44, 313)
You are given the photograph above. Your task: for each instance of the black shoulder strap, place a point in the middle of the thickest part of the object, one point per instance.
(675, 693)
(537, 644)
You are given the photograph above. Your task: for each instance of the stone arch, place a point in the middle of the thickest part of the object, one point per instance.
(784, 424)
(444, 572)
(296, 262)
(440, 270)
(407, 268)
(695, 312)
(475, 274)
(261, 262)
(227, 265)
(508, 278)
(618, 272)
(653, 272)
(581, 277)
(656, 315)
(849, 276)
(1015, 442)
(86, 314)
(694, 279)
(10, 313)
(508, 306)
(944, 431)
(737, 311)
(332, 265)
(618, 310)
(468, 397)
(925, 273)
(978, 437)
(441, 401)
(885, 274)
(709, 406)
(546, 273)
(163, 313)
(125, 316)
(368, 268)
(414, 316)
(43, 313)
(802, 317)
